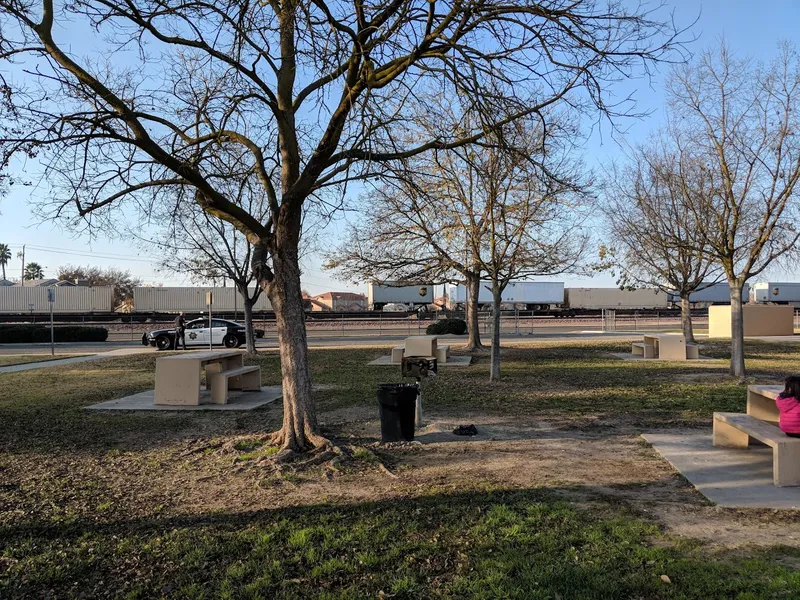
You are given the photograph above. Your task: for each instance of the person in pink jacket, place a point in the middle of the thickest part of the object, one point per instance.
(788, 402)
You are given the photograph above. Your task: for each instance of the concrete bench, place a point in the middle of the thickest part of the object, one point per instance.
(692, 351)
(442, 354)
(734, 430)
(397, 354)
(240, 378)
(643, 350)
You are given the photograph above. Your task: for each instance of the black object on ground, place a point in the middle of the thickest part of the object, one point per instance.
(398, 402)
(466, 430)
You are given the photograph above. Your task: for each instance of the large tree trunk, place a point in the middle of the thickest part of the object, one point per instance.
(686, 319)
(494, 374)
(737, 331)
(473, 324)
(300, 430)
(250, 331)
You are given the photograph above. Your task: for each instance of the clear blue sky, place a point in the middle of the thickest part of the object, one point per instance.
(750, 28)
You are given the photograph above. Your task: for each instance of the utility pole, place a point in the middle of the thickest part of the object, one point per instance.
(22, 256)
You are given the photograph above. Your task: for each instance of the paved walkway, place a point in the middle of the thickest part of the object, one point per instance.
(727, 476)
(75, 359)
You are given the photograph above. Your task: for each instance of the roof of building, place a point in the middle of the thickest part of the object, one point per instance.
(6, 282)
(47, 283)
(341, 296)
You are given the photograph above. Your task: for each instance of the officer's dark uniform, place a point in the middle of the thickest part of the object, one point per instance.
(180, 331)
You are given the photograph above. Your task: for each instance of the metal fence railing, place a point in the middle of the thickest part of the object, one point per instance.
(127, 328)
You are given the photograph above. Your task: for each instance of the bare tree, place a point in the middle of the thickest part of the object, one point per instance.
(651, 222)
(312, 93)
(532, 212)
(417, 225)
(737, 125)
(209, 249)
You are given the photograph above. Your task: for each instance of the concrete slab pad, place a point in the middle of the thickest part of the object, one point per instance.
(632, 358)
(727, 476)
(453, 361)
(237, 401)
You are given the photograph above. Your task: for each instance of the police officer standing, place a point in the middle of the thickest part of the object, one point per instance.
(180, 330)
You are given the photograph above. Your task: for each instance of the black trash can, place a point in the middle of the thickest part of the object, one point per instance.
(398, 403)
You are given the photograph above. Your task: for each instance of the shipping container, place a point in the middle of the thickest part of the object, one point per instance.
(643, 299)
(378, 295)
(775, 292)
(192, 300)
(714, 293)
(68, 300)
(531, 295)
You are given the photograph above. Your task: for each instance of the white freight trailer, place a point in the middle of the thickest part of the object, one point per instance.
(639, 299)
(534, 295)
(68, 300)
(379, 295)
(192, 300)
(775, 292)
(715, 293)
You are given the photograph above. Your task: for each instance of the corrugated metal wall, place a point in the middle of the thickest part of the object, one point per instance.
(16, 300)
(191, 299)
(615, 298)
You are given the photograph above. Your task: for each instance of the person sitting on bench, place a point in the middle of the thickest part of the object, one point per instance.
(788, 402)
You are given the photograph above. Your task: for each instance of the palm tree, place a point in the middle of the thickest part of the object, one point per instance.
(33, 271)
(5, 256)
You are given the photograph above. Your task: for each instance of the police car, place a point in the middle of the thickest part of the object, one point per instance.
(198, 333)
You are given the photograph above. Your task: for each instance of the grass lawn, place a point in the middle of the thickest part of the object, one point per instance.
(24, 359)
(564, 500)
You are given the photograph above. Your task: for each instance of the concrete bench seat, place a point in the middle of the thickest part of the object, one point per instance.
(240, 378)
(397, 354)
(734, 430)
(642, 349)
(442, 354)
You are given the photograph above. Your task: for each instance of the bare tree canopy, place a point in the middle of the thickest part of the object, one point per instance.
(122, 281)
(735, 124)
(651, 224)
(302, 95)
(207, 249)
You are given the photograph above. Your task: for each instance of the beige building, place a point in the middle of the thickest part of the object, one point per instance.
(339, 302)
(758, 319)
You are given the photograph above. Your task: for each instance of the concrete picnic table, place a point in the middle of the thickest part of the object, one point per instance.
(178, 376)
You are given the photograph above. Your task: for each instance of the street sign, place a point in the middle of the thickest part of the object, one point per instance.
(51, 298)
(210, 301)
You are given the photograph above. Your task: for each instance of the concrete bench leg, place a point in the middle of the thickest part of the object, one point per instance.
(729, 437)
(786, 465)
(251, 381)
(219, 389)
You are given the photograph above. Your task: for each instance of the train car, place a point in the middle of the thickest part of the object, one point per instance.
(714, 293)
(529, 295)
(388, 292)
(192, 300)
(775, 292)
(16, 300)
(599, 298)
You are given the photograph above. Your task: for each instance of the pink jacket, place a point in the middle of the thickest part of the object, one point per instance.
(790, 414)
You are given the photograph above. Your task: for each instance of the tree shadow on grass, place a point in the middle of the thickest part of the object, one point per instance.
(474, 544)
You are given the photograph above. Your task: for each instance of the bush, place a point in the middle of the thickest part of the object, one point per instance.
(27, 334)
(445, 326)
